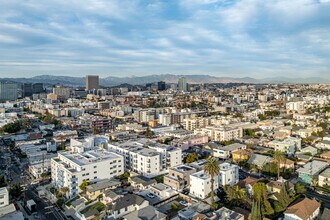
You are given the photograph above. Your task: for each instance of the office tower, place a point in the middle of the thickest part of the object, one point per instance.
(161, 86)
(38, 88)
(92, 82)
(27, 89)
(182, 84)
(8, 91)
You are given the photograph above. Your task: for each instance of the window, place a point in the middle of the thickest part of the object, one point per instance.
(95, 166)
(95, 171)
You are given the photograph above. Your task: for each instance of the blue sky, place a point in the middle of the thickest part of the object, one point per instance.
(255, 38)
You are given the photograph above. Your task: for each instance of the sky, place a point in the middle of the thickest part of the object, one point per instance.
(246, 38)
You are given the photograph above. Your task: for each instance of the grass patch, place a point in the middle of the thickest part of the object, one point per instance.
(99, 206)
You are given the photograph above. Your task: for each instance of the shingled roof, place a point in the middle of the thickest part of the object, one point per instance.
(303, 208)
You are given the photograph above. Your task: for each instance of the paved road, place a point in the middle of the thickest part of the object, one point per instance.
(319, 197)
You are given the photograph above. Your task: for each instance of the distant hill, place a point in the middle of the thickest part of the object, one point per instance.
(168, 78)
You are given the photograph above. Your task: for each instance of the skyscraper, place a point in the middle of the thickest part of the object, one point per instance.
(92, 82)
(8, 91)
(161, 86)
(182, 84)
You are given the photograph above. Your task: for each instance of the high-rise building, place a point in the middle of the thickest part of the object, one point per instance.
(92, 82)
(182, 84)
(27, 89)
(161, 86)
(8, 91)
(38, 88)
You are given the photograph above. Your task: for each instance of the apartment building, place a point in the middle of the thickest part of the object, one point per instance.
(228, 174)
(193, 123)
(310, 171)
(225, 152)
(289, 145)
(178, 177)
(138, 158)
(221, 133)
(295, 106)
(324, 178)
(147, 158)
(70, 169)
(200, 184)
(4, 197)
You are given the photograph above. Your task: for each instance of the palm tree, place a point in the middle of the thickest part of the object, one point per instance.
(212, 169)
(279, 157)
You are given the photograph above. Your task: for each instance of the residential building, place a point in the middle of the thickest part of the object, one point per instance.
(200, 184)
(241, 155)
(4, 197)
(95, 190)
(62, 93)
(147, 213)
(70, 169)
(304, 209)
(221, 133)
(324, 178)
(311, 171)
(182, 84)
(225, 152)
(259, 160)
(178, 177)
(228, 174)
(127, 204)
(141, 182)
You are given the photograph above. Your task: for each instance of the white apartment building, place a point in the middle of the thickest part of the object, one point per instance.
(4, 197)
(289, 145)
(165, 119)
(221, 133)
(295, 106)
(324, 178)
(70, 169)
(147, 158)
(200, 184)
(138, 158)
(228, 174)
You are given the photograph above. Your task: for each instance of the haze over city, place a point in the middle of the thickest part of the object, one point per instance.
(254, 38)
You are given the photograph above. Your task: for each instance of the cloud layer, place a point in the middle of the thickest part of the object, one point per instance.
(254, 38)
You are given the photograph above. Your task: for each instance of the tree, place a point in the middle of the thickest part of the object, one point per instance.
(256, 211)
(64, 191)
(279, 158)
(192, 157)
(11, 127)
(212, 168)
(16, 190)
(2, 181)
(284, 197)
(84, 184)
(299, 188)
(314, 182)
(235, 194)
(260, 195)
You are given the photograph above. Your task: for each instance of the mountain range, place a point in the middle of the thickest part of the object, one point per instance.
(168, 78)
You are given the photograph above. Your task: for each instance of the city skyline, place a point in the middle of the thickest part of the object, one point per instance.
(123, 38)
